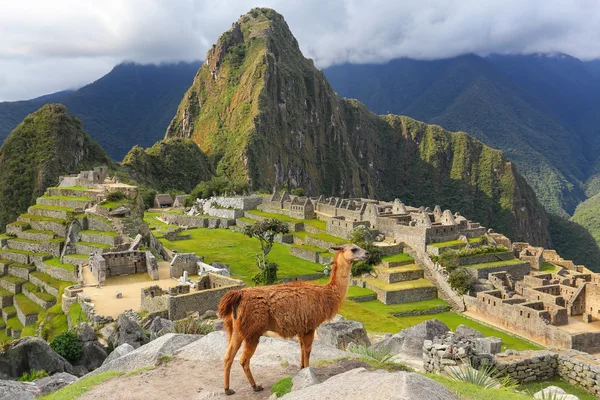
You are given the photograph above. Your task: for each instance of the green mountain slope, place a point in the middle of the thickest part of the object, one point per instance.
(262, 112)
(48, 143)
(131, 105)
(588, 215)
(172, 164)
(476, 95)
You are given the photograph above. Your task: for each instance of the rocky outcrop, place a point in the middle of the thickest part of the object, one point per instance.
(409, 342)
(93, 353)
(128, 331)
(11, 390)
(304, 378)
(361, 384)
(120, 351)
(341, 333)
(30, 354)
(148, 355)
(54, 382)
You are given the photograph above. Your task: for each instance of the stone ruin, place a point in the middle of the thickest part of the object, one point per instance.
(191, 264)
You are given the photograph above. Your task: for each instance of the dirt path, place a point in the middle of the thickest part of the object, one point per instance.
(184, 379)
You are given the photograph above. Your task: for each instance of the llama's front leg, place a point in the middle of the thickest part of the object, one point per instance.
(306, 346)
(235, 342)
(302, 350)
(249, 349)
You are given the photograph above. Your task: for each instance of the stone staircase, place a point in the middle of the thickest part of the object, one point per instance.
(399, 280)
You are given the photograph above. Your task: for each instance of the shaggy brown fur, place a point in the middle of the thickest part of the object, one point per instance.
(289, 309)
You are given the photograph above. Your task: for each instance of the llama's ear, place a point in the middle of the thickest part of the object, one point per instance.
(337, 248)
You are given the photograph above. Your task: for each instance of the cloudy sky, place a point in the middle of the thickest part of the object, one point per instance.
(46, 46)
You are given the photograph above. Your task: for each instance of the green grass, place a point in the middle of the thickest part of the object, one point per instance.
(413, 284)
(32, 217)
(14, 324)
(98, 245)
(327, 238)
(5, 293)
(39, 231)
(534, 387)
(547, 267)
(448, 244)
(494, 264)
(55, 283)
(115, 204)
(246, 219)
(9, 310)
(55, 262)
(468, 391)
(82, 198)
(82, 256)
(26, 306)
(282, 387)
(53, 208)
(316, 223)
(239, 251)
(104, 233)
(26, 241)
(23, 266)
(476, 239)
(77, 315)
(310, 248)
(353, 291)
(39, 294)
(402, 257)
(13, 279)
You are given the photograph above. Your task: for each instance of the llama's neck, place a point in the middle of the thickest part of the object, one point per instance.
(340, 275)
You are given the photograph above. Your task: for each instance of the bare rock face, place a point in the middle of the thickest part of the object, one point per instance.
(30, 354)
(54, 382)
(305, 378)
(341, 333)
(463, 331)
(120, 351)
(361, 384)
(409, 342)
(93, 353)
(128, 331)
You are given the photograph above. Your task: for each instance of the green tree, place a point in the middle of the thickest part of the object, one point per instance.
(460, 280)
(265, 231)
(364, 238)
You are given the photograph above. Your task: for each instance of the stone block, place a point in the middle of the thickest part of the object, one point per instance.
(488, 345)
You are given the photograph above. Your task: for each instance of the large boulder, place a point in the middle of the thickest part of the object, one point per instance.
(30, 354)
(12, 390)
(54, 382)
(128, 331)
(157, 324)
(341, 333)
(120, 351)
(361, 384)
(304, 378)
(409, 342)
(93, 352)
(149, 354)
(465, 332)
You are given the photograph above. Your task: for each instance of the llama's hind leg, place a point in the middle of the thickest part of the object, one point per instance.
(235, 342)
(249, 349)
(306, 342)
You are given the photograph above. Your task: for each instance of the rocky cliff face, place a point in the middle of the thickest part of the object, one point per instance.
(264, 113)
(47, 144)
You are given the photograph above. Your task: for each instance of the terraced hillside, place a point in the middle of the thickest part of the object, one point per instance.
(37, 262)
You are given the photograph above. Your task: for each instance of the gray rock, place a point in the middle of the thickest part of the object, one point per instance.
(463, 331)
(488, 345)
(54, 382)
(409, 342)
(359, 384)
(304, 378)
(119, 211)
(12, 390)
(107, 330)
(92, 355)
(120, 351)
(340, 334)
(128, 331)
(157, 324)
(85, 333)
(149, 354)
(209, 314)
(554, 393)
(80, 370)
(29, 354)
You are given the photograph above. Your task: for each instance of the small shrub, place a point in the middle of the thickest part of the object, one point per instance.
(115, 196)
(67, 345)
(32, 375)
(267, 274)
(460, 281)
(163, 359)
(298, 192)
(282, 387)
(363, 238)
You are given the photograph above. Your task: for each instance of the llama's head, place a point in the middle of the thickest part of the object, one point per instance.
(351, 252)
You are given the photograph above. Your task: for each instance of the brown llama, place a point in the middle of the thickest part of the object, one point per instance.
(288, 309)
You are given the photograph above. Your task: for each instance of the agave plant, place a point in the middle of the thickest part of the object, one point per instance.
(380, 354)
(486, 376)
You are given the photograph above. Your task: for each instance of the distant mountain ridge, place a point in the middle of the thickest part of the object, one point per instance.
(540, 110)
(131, 105)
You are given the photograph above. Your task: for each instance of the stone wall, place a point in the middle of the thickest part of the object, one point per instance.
(238, 203)
(485, 258)
(414, 236)
(305, 254)
(37, 282)
(56, 227)
(185, 220)
(344, 228)
(154, 299)
(224, 213)
(517, 271)
(42, 303)
(183, 262)
(405, 296)
(151, 265)
(323, 244)
(98, 223)
(110, 240)
(59, 273)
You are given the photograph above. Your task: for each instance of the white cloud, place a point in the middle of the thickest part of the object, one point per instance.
(47, 46)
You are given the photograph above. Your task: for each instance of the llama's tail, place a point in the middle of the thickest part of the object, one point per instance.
(229, 304)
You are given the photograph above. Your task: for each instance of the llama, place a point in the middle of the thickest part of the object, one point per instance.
(288, 309)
